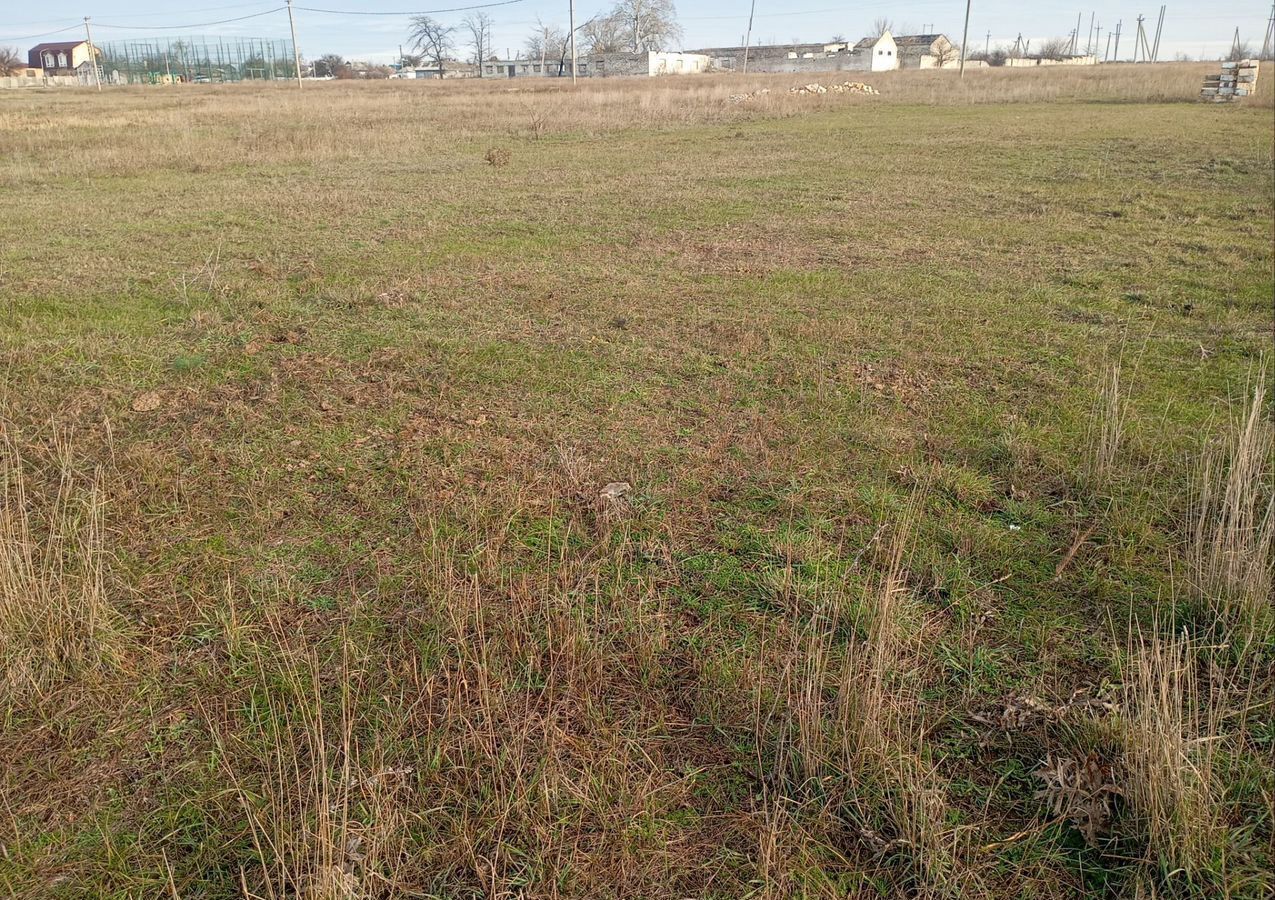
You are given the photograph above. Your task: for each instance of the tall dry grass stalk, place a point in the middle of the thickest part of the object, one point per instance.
(1171, 729)
(1232, 546)
(882, 704)
(1106, 429)
(326, 820)
(852, 717)
(56, 620)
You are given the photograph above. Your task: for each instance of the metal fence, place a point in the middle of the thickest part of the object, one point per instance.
(201, 60)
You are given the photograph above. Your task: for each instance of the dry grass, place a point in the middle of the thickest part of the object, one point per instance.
(390, 634)
(202, 128)
(327, 816)
(851, 731)
(1171, 731)
(1232, 546)
(884, 723)
(1106, 429)
(56, 620)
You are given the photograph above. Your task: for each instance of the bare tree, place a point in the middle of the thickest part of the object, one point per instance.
(432, 38)
(881, 26)
(996, 57)
(478, 26)
(602, 34)
(944, 54)
(328, 65)
(647, 24)
(10, 62)
(1055, 48)
(547, 42)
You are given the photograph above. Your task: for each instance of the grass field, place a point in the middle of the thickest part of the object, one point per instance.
(944, 567)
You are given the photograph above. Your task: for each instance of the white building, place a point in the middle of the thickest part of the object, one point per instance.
(649, 63)
(877, 54)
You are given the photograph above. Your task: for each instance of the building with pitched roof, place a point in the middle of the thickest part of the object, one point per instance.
(61, 57)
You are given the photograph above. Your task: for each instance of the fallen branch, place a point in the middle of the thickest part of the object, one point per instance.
(1075, 548)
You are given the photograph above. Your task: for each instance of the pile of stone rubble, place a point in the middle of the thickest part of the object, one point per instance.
(751, 95)
(846, 87)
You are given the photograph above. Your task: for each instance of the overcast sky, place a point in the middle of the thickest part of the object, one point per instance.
(1200, 28)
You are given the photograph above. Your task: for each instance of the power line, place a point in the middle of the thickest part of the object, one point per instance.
(802, 12)
(410, 12)
(191, 25)
(153, 14)
(27, 37)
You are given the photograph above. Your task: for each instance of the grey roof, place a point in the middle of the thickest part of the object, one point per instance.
(917, 40)
(763, 49)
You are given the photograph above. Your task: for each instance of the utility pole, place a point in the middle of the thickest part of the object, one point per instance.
(1075, 35)
(296, 54)
(97, 76)
(571, 13)
(987, 48)
(1097, 41)
(1115, 51)
(1107, 55)
(1235, 45)
(748, 38)
(1089, 40)
(1137, 38)
(1269, 37)
(966, 36)
(1155, 48)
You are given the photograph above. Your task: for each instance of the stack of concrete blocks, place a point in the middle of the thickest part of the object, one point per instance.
(1237, 80)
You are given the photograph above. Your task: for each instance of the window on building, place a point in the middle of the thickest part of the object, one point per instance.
(61, 60)
(48, 60)
(536, 68)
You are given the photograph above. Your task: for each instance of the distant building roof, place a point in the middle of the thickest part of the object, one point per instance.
(35, 55)
(55, 45)
(917, 40)
(765, 49)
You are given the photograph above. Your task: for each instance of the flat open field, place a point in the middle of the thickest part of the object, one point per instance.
(478, 491)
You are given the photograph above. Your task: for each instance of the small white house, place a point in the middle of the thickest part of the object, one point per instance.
(877, 54)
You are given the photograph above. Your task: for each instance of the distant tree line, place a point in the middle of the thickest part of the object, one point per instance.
(630, 25)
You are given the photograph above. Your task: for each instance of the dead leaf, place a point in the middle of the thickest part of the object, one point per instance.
(1083, 792)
